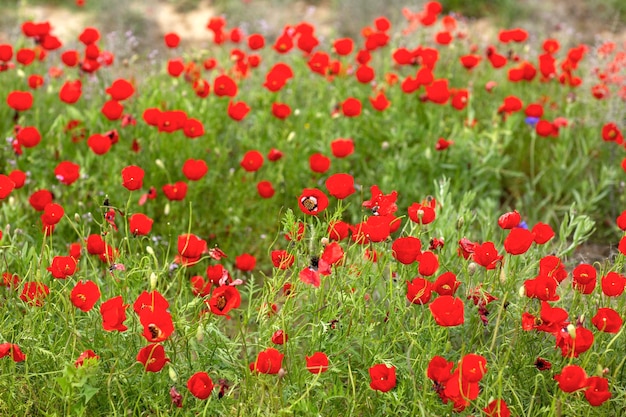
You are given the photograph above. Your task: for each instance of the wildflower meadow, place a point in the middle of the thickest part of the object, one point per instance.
(390, 224)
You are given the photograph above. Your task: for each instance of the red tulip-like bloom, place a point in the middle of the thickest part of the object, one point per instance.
(269, 361)
(341, 148)
(132, 177)
(139, 224)
(86, 355)
(67, 172)
(607, 320)
(406, 249)
(152, 357)
(171, 39)
(113, 313)
(446, 284)
(281, 259)
(351, 107)
(120, 89)
(542, 233)
(7, 185)
(312, 201)
(200, 385)
(343, 46)
(224, 299)
(193, 128)
(252, 161)
(572, 378)
(34, 293)
(176, 191)
(245, 262)
(281, 110)
(223, 85)
(28, 137)
(613, 284)
(340, 185)
(509, 220)
(419, 291)
(85, 295)
(597, 391)
(447, 311)
(71, 91)
(13, 350)
(20, 100)
(486, 255)
(238, 110)
(265, 189)
(380, 102)
(518, 241)
(190, 248)
(279, 337)
(383, 377)
(152, 301)
(497, 408)
(157, 324)
(317, 363)
(319, 163)
(62, 267)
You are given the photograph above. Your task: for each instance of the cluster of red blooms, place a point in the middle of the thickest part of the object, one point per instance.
(461, 385)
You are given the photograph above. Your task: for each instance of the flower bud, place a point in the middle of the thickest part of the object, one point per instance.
(153, 280)
(172, 373)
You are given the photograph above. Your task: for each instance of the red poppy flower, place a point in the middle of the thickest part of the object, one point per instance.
(511, 104)
(473, 367)
(6, 52)
(84, 295)
(446, 284)
(343, 46)
(282, 259)
(132, 177)
(312, 201)
(542, 364)
(438, 91)
(572, 345)
(200, 385)
(406, 249)
(139, 224)
(571, 378)
(518, 241)
(28, 136)
(6, 186)
(278, 76)
(195, 169)
(252, 161)
(152, 357)
(157, 324)
(381, 204)
(99, 144)
(281, 110)
(176, 191)
(509, 220)
(597, 391)
(428, 263)
(497, 408)
(340, 185)
(113, 313)
(224, 299)
(20, 100)
(486, 255)
(319, 163)
(190, 248)
(152, 301)
(171, 39)
(341, 148)
(223, 85)
(12, 349)
(265, 189)
(85, 356)
(25, 56)
(71, 91)
(279, 337)
(120, 90)
(269, 361)
(245, 262)
(218, 275)
(447, 310)
(238, 110)
(351, 107)
(256, 41)
(439, 370)
(175, 67)
(380, 102)
(67, 172)
(613, 284)
(419, 291)
(310, 275)
(542, 232)
(317, 363)
(338, 230)
(470, 61)
(383, 377)
(34, 293)
(62, 267)
(607, 320)
(422, 213)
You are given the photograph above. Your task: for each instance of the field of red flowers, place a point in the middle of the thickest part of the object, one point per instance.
(381, 225)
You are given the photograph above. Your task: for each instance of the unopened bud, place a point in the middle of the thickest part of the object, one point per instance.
(324, 241)
(571, 329)
(172, 373)
(150, 250)
(460, 222)
(471, 268)
(77, 217)
(522, 291)
(200, 334)
(153, 280)
(159, 163)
